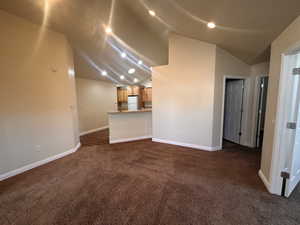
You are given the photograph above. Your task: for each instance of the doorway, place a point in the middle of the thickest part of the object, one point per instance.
(233, 110)
(261, 110)
(286, 170)
(291, 136)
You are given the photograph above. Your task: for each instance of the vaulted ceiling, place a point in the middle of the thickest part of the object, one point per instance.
(244, 28)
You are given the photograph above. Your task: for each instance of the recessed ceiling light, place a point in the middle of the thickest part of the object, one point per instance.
(123, 55)
(122, 77)
(211, 25)
(104, 73)
(131, 71)
(152, 13)
(108, 30)
(140, 62)
(71, 72)
(135, 80)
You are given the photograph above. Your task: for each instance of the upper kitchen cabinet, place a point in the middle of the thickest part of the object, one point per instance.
(144, 93)
(133, 90)
(122, 94)
(147, 94)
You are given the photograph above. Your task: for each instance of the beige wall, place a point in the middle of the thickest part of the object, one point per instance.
(260, 69)
(226, 65)
(183, 93)
(37, 97)
(288, 39)
(188, 93)
(257, 71)
(95, 98)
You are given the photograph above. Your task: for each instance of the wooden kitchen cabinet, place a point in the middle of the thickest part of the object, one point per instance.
(133, 90)
(147, 95)
(129, 90)
(144, 93)
(136, 90)
(122, 95)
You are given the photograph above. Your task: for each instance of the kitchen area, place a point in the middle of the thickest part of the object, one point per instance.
(133, 119)
(132, 98)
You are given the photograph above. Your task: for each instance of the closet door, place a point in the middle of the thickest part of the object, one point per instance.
(233, 110)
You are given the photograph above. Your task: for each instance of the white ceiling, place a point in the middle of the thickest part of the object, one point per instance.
(245, 28)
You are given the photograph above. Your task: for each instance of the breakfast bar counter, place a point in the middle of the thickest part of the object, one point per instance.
(127, 126)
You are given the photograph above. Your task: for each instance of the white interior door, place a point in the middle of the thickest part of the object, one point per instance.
(291, 139)
(233, 110)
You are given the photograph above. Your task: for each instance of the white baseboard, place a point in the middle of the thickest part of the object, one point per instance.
(198, 147)
(129, 139)
(38, 163)
(93, 130)
(264, 180)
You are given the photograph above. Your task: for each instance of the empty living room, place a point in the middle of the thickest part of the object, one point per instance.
(149, 112)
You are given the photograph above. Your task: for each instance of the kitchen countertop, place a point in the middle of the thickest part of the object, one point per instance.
(133, 111)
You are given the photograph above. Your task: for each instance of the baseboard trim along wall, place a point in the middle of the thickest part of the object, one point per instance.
(264, 180)
(93, 130)
(38, 163)
(198, 147)
(129, 139)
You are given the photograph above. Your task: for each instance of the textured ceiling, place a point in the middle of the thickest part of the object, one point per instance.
(83, 22)
(245, 28)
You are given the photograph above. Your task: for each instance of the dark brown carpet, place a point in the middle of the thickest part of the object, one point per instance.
(145, 183)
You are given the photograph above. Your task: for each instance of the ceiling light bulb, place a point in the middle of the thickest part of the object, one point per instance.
(211, 25)
(135, 80)
(152, 13)
(71, 72)
(108, 30)
(140, 62)
(123, 55)
(122, 77)
(131, 71)
(104, 73)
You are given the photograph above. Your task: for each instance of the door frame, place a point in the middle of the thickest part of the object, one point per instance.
(279, 156)
(256, 102)
(227, 77)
